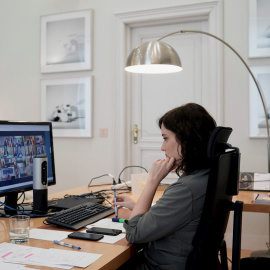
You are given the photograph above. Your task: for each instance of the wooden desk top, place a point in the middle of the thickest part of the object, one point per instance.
(113, 255)
(116, 254)
(248, 197)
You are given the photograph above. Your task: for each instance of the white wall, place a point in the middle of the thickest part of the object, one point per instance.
(236, 103)
(79, 160)
(236, 86)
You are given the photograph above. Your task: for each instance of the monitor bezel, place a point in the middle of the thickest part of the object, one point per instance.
(24, 123)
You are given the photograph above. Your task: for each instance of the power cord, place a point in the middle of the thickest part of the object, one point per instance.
(22, 194)
(119, 180)
(108, 174)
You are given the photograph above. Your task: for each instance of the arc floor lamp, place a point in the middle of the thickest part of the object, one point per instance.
(156, 57)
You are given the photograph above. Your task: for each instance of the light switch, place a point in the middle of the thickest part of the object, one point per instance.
(103, 132)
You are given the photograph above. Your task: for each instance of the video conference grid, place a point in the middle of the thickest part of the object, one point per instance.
(17, 154)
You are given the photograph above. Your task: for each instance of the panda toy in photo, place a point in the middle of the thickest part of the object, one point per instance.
(63, 113)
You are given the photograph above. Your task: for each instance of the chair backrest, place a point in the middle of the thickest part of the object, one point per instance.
(222, 185)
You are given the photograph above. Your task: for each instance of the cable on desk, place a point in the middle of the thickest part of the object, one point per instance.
(22, 212)
(108, 174)
(106, 193)
(22, 194)
(120, 180)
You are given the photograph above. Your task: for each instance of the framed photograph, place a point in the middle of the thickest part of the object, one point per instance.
(259, 28)
(67, 103)
(254, 181)
(66, 42)
(257, 121)
(246, 181)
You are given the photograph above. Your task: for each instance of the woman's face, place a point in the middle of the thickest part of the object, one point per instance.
(170, 146)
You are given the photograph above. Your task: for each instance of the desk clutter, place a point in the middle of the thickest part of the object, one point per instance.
(53, 205)
(66, 258)
(262, 198)
(60, 250)
(254, 181)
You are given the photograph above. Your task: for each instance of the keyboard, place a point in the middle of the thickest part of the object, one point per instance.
(79, 216)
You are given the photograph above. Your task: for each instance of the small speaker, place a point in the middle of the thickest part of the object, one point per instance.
(40, 185)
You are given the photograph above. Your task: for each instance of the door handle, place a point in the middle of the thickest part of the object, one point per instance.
(135, 134)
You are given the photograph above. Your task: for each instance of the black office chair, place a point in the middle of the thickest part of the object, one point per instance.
(210, 250)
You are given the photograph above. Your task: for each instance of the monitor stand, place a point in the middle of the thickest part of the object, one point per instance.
(11, 200)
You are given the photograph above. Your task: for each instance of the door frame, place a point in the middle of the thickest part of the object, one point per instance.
(123, 22)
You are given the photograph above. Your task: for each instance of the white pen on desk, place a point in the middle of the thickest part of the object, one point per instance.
(65, 244)
(115, 206)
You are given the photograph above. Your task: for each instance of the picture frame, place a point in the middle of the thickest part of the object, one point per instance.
(67, 103)
(259, 28)
(257, 121)
(66, 42)
(253, 181)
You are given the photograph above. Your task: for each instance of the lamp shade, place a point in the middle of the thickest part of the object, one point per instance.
(153, 57)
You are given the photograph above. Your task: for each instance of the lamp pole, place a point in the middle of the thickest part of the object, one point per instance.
(249, 70)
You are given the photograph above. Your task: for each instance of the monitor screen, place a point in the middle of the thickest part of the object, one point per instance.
(20, 142)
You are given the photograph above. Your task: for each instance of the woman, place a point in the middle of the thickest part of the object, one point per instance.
(167, 228)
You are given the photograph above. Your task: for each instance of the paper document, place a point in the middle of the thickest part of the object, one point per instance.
(76, 258)
(112, 239)
(261, 181)
(49, 235)
(11, 266)
(262, 199)
(13, 253)
(107, 223)
(45, 257)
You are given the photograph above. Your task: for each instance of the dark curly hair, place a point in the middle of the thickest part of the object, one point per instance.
(192, 126)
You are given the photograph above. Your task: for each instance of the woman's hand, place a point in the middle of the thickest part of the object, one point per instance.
(158, 172)
(161, 168)
(124, 201)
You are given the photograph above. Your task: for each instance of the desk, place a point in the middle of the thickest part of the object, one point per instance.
(247, 197)
(114, 255)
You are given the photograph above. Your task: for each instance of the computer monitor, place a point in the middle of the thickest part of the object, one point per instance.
(20, 142)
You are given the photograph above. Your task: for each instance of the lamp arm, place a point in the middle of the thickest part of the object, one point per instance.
(249, 70)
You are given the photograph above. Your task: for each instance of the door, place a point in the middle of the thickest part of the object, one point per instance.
(154, 95)
(140, 100)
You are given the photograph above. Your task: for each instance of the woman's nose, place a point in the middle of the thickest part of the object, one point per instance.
(163, 147)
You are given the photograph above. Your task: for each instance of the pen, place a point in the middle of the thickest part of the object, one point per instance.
(65, 244)
(115, 206)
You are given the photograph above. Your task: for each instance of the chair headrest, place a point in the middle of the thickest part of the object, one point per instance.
(218, 141)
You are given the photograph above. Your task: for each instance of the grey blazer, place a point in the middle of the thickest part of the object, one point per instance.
(169, 226)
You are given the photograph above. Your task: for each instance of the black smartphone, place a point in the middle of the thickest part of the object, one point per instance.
(86, 236)
(104, 231)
